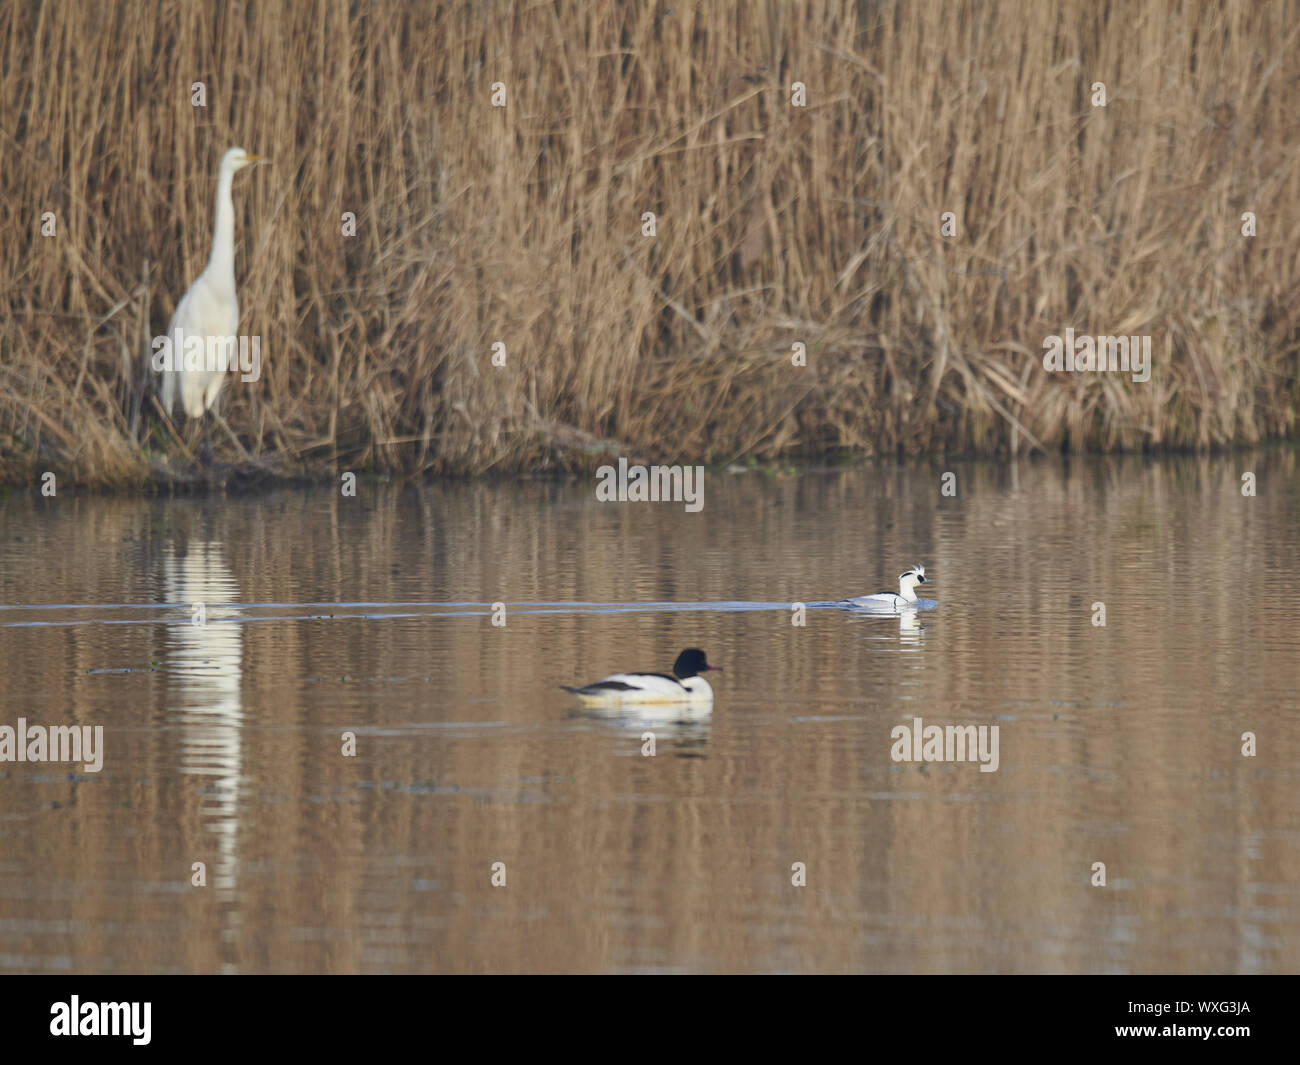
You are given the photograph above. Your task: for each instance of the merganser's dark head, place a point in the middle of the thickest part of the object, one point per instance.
(690, 663)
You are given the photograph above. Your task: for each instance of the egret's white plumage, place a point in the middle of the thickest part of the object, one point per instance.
(210, 308)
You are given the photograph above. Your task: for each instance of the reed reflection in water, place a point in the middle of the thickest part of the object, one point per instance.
(373, 616)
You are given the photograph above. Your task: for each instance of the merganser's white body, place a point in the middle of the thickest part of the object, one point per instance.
(904, 600)
(626, 688)
(683, 685)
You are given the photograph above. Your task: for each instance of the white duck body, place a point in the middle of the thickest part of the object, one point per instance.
(683, 685)
(625, 689)
(885, 601)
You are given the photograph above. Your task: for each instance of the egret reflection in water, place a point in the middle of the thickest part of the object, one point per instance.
(203, 688)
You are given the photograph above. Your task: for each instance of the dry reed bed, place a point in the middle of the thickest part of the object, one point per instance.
(775, 224)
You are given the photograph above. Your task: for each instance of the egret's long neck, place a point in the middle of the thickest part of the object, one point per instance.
(221, 264)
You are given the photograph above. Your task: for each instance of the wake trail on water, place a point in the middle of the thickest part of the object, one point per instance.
(55, 615)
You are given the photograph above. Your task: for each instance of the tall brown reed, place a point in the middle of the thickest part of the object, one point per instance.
(775, 224)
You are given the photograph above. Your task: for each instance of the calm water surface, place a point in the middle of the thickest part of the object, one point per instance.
(223, 741)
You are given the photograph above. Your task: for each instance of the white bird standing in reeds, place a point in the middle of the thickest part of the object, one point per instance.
(210, 309)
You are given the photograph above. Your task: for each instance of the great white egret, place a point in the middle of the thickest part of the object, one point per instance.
(210, 309)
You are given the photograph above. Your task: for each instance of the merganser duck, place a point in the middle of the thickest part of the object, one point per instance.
(684, 685)
(904, 600)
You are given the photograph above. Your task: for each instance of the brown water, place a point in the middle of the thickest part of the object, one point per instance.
(324, 615)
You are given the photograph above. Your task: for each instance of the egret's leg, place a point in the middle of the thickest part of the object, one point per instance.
(205, 449)
(233, 438)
